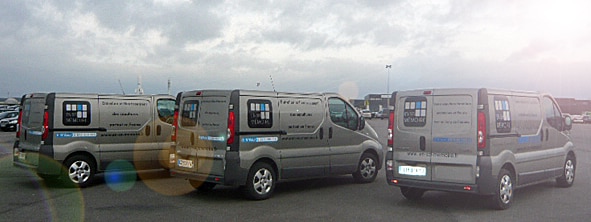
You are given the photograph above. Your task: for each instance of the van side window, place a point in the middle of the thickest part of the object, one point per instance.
(189, 113)
(166, 110)
(76, 113)
(260, 113)
(342, 114)
(415, 112)
(553, 116)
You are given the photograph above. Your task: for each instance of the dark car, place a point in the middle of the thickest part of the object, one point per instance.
(8, 114)
(586, 119)
(7, 124)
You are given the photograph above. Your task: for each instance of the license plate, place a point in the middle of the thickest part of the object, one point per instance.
(22, 156)
(412, 170)
(185, 163)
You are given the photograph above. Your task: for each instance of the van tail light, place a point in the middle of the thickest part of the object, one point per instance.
(19, 123)
(481, 137)
(45, 126)
(231, 127)
(391, 129)
(175, 126)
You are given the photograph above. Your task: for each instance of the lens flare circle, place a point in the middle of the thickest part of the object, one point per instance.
(120, 175)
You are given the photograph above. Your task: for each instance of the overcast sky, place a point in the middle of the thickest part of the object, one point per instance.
(296, 46)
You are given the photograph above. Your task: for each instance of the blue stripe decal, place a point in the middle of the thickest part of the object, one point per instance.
(452, 140)
(529, 139)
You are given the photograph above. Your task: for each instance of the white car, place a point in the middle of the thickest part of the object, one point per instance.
(366, 114)
(577, 118)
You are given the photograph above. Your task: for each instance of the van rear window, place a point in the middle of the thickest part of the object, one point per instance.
(415, 112)
(76, 113)
(189, 115)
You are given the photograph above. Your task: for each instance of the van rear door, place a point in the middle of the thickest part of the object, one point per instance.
(202, 132)
(435, 136)
(412, 132)
(453, 143)
(31, 128)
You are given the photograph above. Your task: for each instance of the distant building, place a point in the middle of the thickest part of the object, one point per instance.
(573, 106)
(9, 101)
(358, 103)
(377, 102)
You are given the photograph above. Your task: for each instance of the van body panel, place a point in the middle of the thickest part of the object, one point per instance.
(292, 132)
(304, 145)
(436, 143)
(104, 127)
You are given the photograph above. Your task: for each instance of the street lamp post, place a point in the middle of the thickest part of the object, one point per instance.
(388, 67)
(388, 87)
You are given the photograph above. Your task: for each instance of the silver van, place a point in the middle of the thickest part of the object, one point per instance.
(480, 141)
(253, 139)
(71, 137)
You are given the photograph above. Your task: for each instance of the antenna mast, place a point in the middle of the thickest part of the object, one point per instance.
(169, 86)
(272, 83)
(121, 86)
(139, 90)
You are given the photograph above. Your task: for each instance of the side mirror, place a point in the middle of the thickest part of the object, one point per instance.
(568, 123)
(361, 123)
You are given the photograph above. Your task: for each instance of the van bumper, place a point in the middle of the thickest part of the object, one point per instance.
(485, 183)
(41, 162)
(233, 174)
(430, 185)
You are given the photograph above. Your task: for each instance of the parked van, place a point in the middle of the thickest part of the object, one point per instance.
(71, 137)
(254, 139)
(480, 141)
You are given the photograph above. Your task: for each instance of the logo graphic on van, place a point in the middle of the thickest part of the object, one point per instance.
(415, 111)
(260, 114)
(502, 114)
(189, 115)
(76, 113)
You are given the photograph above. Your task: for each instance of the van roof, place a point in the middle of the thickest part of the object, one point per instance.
(471, 90)
(256, 92)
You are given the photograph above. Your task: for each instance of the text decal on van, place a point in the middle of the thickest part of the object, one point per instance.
(76, 113)
(260, 113)
(260, 139)
(502, 114)
(75, 135)
(415, 111)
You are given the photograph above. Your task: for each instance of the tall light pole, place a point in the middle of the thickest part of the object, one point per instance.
(388, 87)
(388, 67)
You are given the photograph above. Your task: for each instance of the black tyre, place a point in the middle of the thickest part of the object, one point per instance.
(80, 171)
(503, 197)
(260, 183)
(411, 193)
(367, 169)
(568, 177)
(202, 186)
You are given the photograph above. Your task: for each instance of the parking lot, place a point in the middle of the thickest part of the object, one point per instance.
(157, 197)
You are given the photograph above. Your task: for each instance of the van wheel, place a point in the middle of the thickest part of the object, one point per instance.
(80, 170)
(411, 193)
(568, 177)
(503, 197)
(260, 182)
(367, 169)
(202, 186)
